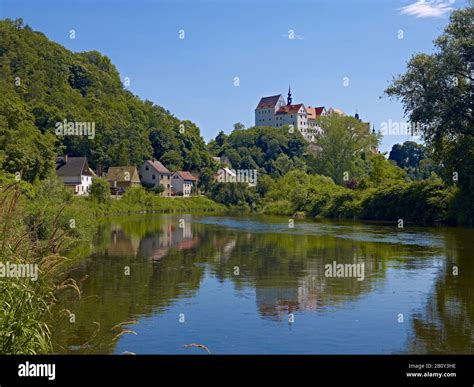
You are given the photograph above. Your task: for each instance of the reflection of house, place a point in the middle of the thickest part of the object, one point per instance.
(75, 174)
(307, 294)
(157, 245)
(276, 303)
(183, 182)
(122, 244)
(153, 174)
(122, 178)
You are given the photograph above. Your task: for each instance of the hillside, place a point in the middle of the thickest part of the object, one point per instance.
(44, 83)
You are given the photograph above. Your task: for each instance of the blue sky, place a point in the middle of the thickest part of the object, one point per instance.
(194, 77)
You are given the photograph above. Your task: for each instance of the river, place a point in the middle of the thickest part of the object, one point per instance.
(253, 284)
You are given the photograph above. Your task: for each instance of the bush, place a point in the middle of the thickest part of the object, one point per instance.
(279, 207)
(234, 194)
(420, 201)
(100, 191)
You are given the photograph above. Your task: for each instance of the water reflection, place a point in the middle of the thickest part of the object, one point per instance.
(446, 324)
(204, 265)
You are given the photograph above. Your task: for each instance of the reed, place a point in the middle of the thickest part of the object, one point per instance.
(26, 301)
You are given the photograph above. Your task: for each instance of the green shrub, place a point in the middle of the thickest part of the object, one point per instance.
(100, 191)
(279, 207)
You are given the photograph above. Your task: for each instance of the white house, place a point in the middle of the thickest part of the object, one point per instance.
(75, 174)
(153, 173)
(182, 183)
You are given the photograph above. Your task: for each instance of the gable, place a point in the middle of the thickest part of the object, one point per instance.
(269, 102)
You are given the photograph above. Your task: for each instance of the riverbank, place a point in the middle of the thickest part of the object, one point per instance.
(428, 201)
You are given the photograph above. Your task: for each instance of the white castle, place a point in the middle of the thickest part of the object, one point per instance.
(274, 111)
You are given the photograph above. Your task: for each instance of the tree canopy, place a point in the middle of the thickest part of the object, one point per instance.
(43, 83)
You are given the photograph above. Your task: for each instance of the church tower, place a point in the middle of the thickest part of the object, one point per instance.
(289, 95)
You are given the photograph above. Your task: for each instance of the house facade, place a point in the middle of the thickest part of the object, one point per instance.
(75, 173)
(152, 173)
(183, 182)
(122, 178)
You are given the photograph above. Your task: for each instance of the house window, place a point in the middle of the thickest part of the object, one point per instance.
(146, 168)
(153, 176)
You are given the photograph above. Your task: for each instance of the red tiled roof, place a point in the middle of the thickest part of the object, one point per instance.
(268, 102)
(289, 109)
(319, 110)
(311, 112)
(185, 175)
(314, 112)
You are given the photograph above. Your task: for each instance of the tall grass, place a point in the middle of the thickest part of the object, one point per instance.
(25, 304)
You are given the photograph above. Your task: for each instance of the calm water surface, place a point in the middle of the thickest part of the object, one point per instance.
(234, 283)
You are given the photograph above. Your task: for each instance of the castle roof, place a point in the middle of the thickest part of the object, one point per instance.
(290, 109)
(268, 102)
(314, 112)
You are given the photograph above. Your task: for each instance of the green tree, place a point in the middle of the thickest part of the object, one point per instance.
(206, 178)
(383, 170)
(341, 143)
(436, 92)
(408, 155)
(100, 191)
(172, 159)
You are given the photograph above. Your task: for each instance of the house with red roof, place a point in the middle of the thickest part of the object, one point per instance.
(183, 182)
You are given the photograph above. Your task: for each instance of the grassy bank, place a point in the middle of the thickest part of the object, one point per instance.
(140, 200)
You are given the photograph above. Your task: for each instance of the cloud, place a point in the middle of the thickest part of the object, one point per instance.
(428, 8)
